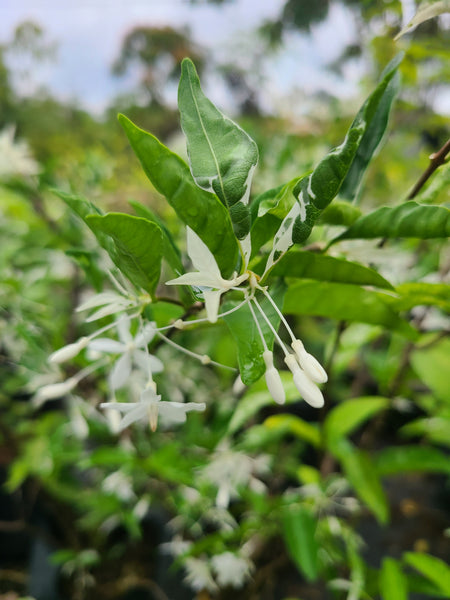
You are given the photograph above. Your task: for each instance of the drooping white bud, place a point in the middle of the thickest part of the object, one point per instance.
(273, 379)
(69, 351)
(306, 387)
(54, 390)
(309, 363)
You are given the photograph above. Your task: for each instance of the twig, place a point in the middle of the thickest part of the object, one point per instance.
(436, 160)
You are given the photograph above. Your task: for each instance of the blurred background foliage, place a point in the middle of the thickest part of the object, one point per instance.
(57, 462)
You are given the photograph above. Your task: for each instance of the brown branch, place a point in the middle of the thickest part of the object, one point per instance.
(436, 160)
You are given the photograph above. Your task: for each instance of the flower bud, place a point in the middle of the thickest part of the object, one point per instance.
(54, 390)
(69, 351)
(309, 363)
(273, 379)
(306, 387)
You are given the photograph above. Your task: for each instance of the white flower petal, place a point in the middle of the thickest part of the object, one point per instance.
(54, 391)
(201, 256)
(145, 335)
(121, 372)
(100, 300)
(69, 351)
(123, 329)
(212, 301)
(147, 362)
(107, 345)
(201, 279)
(140, 412)
(123, 407)
(175, 412)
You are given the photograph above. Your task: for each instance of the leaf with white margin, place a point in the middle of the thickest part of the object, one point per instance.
(426, 10)
(315, 192)
(222, 155)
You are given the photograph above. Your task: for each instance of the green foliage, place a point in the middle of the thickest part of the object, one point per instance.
(299, 531)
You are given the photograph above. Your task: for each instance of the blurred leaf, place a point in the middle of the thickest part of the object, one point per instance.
(435, 569)
(340, 212)
(299, 532)
(245, 333)
(312, 265)
(138, 246)
(435, 429)
(431, 365)
(428, 294)
(344, 302)
(407, 220)
(198, 209)
(345, 418)
(402, 459)
(362, 475)
(436, 192)
(393, 583)
(222, 156)
(295, 426)
(426, 10)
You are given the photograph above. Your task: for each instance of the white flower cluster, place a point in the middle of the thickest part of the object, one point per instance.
(222, 570)
(15, 157)
(306, 369)
(133, 363)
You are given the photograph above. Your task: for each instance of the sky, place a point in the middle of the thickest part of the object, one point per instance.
(88, 35)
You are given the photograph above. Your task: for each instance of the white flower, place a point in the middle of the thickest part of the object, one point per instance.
(273, 379)
(208, 275)
(231, 570)
(15, 157)
(199, 575)
(309, 363)
(306, 387)
(54, 390)
(131, 350)
(109, 302)
(150, 407)
(69, 351)
(119, 485)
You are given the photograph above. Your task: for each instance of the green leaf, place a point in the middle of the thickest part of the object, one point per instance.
(311, 265)
(436, 190)
(431, 365)
(407, 220)
(435, 569)
(434, 429)
(171, 252)
(362, 475)
(393, 583)
(315, 192)
(138, 246)
(340, 212)
(295, 426)
(402, 459)
(200, 210)
(371, 139)
(344, 302)
(429, 294)
(345, 418)
(222, 156)
(299, 532)
(245, 333)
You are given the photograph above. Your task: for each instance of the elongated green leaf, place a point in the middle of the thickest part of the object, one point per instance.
(435, 569)
(371, 140)
(315, 192)
(312, 265)
(339, 212)
(245, 332)
(362, 475)
(407, 220)
(170, 251)
(299, 532)
(436, 191)
(344, 302)
(138, 246)
(222, 156)
(295, 426)
(200, 210)
(411, 458)
(429, 294)
(434, 429)
(348, 416)
(393, 583)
